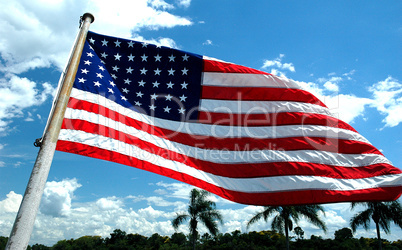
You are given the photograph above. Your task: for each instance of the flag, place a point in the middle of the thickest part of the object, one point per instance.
(243, 134)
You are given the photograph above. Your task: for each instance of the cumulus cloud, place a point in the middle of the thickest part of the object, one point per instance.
(12, 203)
(57, 197)
(387, 99)
(277, 66)
(18, 93)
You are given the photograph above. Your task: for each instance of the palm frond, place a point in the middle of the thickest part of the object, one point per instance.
(361, 219)
(180, 218)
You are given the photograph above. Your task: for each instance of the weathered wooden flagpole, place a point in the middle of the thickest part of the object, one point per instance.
(24, 222)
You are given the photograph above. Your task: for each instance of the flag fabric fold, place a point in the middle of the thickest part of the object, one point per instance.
(243, 134)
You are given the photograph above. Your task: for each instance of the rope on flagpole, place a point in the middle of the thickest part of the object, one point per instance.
(25, 219)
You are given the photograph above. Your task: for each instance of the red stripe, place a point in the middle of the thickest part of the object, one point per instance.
(259, 94)
(224, 67)
(272, 119)
(233, 144)
(243, 170)
(297, 197)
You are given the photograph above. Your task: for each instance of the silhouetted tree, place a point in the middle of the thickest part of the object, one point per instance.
(284, 215)
(382, 214)
(201, 210)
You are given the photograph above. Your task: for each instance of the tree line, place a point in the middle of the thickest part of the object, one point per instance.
(202, 210)
(269, 239)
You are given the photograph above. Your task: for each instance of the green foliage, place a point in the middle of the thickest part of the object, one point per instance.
(343, 234)
(3, 242)
(285, 216)
(200, 209)
(270, 239)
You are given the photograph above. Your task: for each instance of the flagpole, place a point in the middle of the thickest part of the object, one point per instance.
(25, 219)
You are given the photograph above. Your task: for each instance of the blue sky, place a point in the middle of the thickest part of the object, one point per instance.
(346, 52)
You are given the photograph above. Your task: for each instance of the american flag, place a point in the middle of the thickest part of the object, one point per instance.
(243, 134)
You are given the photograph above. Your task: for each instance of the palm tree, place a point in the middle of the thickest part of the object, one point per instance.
(285, 214)
(200, 209)
(382, 214)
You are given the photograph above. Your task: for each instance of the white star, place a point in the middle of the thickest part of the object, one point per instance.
(171, 58)
(90, 54)
(183, 98)
(82, 80)
(168, 97)
(97, 84)
(104, 55)
(144, 44)
(101, 68)
(99, 75)
(115, 68)
(141, 83)
(181, 110)
(184, 71)
(104, 42)
(131, 57)
(87, 62)
(126, 90)
(129, 70)
(127, 81)
(137, 103)
(91, 40)
(156, 84)
(185, 57)
(154, 96)
(157, 71)
(130, 44)
(117, 56)
(171, 71)
(167, 109)
(112, 83)
(114, 76)
(139, 94)
(184, 85)
(84, 71)
(143, 71)
(170, 85)
(152, 107)
(157, 58)
(110, 90)
(117, 43)
(144, 57)
(123, 98)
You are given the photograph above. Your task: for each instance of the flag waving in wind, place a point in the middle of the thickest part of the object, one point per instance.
(243, 134)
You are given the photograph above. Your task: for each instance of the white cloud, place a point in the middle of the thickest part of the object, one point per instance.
(18, 93)
(57, 197)
(347, 107)
(276, 65)
(110, 203)
(12, 203)
(387, 97)
(207, 42)
(184, 3)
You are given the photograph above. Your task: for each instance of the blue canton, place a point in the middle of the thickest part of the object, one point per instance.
(154, 80)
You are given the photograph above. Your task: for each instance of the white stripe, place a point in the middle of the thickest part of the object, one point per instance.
(223, 131)
(252, 185)
(246, 155)
(247, 80)
(261, 107)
